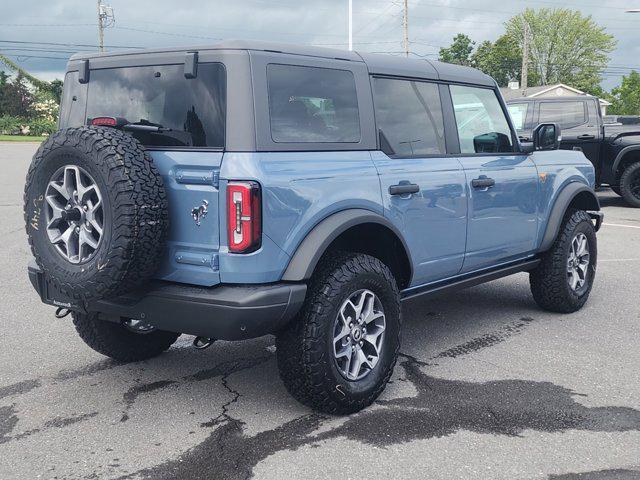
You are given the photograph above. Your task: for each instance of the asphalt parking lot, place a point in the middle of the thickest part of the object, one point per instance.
(488, 386)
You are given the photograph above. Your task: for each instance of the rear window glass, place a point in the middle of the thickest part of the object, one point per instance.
(409, 117)
(193, 109)
(311, 104)
(565, 114)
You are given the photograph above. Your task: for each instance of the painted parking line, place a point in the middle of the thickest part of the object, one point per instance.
(620, 225)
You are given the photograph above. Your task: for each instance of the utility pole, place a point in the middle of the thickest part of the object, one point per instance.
(405, 28)
(525, 60)
(105, 19)
(350, 25)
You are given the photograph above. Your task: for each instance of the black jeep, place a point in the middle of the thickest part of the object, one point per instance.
(614, 149)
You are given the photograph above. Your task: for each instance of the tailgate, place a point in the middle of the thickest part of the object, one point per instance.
(191, 182)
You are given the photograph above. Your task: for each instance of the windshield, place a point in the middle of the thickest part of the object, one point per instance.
(191, 111)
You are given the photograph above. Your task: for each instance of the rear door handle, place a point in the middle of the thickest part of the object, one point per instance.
(483, 182)
(586, 136)
(403, 189)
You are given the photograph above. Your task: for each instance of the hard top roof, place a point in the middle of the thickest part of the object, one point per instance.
(377, 64)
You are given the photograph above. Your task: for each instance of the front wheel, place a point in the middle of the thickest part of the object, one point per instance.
(339, 353)
(630, 185)
(563, 280)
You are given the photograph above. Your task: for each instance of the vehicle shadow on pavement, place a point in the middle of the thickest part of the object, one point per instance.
(483, 317)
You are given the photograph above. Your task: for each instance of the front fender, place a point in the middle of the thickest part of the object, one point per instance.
(564, 199)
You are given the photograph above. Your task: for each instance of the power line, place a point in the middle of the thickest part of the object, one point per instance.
(64, 44)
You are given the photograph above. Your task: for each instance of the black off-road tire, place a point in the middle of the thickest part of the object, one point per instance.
(116, 341)
(304, 348)
(549, 281)
(617, 191)
(134, 206)
(630, 185)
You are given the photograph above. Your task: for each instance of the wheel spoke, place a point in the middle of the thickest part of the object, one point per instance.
(344, 331)
(356, 364)
(358, 334)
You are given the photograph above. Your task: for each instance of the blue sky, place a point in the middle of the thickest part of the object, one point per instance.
(377, 25)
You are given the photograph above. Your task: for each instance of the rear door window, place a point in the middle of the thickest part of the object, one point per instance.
(482, 124)
(566, 114)
(192, 109)
(312, 104)
(409, 117)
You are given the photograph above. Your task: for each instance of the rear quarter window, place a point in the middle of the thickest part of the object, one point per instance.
(312, 105)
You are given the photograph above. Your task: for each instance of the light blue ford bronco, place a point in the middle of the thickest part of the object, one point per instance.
(244, 189)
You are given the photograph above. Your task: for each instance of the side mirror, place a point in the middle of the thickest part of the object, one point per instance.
(547, 136)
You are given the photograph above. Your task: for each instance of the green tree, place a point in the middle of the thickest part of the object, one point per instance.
(626, 97)
(502, 60)
(55, 87)
(565, 46)
(17, 99)
(3, 83)
(459, 52)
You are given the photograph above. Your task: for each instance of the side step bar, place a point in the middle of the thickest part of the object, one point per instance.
(465, 281)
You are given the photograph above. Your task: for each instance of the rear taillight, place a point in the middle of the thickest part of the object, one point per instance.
(104, 121)
(244, 221)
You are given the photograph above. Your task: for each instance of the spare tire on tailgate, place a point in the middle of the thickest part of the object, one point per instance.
(96, 212)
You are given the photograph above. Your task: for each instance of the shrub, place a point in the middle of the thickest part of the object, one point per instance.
(10, 125)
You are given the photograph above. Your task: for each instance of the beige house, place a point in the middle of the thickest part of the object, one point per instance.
(513, 92)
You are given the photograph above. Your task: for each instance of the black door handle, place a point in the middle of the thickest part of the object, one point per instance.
(403, 189)
(483, 182)
(586, 136)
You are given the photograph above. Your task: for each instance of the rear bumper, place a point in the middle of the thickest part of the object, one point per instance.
(225, 312)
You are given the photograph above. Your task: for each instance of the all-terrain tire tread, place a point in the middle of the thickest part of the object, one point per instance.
(139, 212)
(115, 341)
(549, 279)
(300, 347)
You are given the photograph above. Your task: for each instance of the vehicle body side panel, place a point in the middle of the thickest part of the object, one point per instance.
(502, 219)
(557, 169)
(433, 221)
(299, 190)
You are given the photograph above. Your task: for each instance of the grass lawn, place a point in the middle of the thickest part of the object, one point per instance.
(21, 138)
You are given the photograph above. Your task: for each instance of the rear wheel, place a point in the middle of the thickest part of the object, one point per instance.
(127, 341)
(338, 355)
(563, 280)
(630, 185)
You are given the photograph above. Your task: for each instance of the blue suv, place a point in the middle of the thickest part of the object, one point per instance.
(244, 189)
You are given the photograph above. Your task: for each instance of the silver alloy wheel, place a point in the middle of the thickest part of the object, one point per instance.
(578, 262)
(358, 335)
(74, 213)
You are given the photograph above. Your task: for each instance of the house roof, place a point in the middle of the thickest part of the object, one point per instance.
(532, 92)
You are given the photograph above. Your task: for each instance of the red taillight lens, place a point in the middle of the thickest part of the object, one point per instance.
(104, 121)
(244, 220)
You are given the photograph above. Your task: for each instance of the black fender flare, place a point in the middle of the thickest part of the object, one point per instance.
(304, 260)
(565, 197)
(620, 156)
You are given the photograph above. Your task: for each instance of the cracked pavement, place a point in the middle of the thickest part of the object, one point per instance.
(488, 386)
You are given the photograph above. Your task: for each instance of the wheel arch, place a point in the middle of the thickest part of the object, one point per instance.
(356, 230)
(575, 195)
(627, 156)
